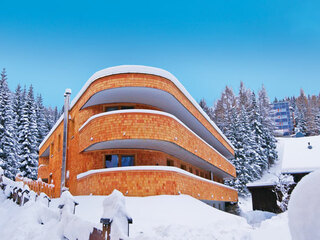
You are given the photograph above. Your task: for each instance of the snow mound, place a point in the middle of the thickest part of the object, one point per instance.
(254, 218)
(274, 228)
(304, 209)
(68, 202)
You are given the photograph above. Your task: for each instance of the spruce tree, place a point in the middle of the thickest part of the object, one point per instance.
(8, 161)
(28, 138)
(41, 120)
(301, 113)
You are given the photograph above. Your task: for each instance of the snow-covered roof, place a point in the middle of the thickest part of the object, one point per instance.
(137, 69)
(294, 157)
(297, 157)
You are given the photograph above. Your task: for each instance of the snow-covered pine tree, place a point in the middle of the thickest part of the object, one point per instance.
(41, 120)
(312, 111)
(241, 137)
(301, 113)
(269, 141)
(8, 161)
(244, 97)
(28, 138)
(18, 101)
(206, 109)
(261, 160)
(222, 110)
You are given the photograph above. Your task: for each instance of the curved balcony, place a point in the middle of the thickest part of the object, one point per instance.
(154, 130)
(152, 180)
(161, 91)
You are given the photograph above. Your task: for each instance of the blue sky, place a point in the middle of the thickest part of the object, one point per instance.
(206, 44)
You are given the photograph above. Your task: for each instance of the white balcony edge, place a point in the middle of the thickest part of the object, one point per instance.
(149, 168)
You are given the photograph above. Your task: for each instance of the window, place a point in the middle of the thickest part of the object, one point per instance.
(127, 160)
(109, 109)
(114, 108)
(197, 172)
(190, 169)
(111, 161)
(170, 162)
(183, 167)
(59, 142)
(51, 149)
(127, 107)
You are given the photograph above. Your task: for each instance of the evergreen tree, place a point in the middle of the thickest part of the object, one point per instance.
(28, 138)
(301, 113)
(17, 104)
(261, 159)
(206, 109)
(41, 120)
(269, 142)
(7, 141)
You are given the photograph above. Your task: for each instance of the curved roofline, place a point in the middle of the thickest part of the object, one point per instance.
(137, 69)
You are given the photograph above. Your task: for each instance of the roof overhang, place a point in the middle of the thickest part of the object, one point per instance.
(162, 100)
(163, 146)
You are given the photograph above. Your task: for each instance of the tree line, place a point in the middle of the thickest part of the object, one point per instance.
(246, 121)
(24, 122)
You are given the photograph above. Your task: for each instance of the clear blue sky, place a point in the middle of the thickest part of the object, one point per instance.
(205, 44)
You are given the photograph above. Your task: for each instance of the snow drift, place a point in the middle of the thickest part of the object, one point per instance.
(304, 209)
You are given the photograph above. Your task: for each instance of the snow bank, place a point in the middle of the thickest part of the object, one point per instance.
(254, 218)
(304, 208)
(35, 221)
(274, 228)
(154, 218)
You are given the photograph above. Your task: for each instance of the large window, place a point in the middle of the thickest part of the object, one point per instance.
(114, 108)
(119, 161)
(127, 160)
(127, 107)
(109, 109)
(111, 161)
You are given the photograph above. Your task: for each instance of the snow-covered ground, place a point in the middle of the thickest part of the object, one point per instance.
(158, 217)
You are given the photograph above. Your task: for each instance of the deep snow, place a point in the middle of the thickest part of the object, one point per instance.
(155, 218)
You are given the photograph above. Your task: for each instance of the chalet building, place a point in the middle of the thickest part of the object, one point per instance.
(136, 129)
(297, 157)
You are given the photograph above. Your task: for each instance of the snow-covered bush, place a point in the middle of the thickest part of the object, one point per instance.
(304, 208)
(282, 189)
(114, 208)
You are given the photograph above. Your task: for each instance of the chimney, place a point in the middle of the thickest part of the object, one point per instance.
(65, 139)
